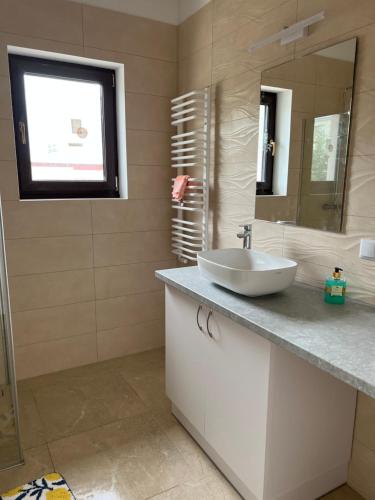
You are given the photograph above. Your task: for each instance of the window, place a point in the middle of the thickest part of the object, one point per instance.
(266, 142)
(65, 128)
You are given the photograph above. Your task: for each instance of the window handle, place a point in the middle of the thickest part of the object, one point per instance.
(273, 147)
(22, 129)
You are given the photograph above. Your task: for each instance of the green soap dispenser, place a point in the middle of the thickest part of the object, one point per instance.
(335, 288)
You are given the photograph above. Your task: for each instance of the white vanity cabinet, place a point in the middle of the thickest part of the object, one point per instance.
(276, 426)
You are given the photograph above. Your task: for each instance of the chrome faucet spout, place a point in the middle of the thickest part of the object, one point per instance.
(246, 235)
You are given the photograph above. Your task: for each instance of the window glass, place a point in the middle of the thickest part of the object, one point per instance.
(65, 127)
(262, 143)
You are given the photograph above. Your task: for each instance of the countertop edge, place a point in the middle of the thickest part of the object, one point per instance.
(318, 362)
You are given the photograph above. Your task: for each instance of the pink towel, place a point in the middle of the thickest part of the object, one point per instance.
(179, 187)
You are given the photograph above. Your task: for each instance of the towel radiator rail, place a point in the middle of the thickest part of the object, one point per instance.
(190, 154)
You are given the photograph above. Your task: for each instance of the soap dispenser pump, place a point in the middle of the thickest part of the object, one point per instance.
(335, 288)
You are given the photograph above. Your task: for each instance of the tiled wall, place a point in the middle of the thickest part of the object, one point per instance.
(212, 51)
(81, 272)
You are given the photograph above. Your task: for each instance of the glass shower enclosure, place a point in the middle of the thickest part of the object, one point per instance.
(10, 449)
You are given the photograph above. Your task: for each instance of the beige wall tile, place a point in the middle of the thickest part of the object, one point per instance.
(148, 148)
(365, 418)
(111, 30)
(51, 289)
(52, 323)
(364, 73)
(330, 249)
(130, 339)
(7, 147)
(8, 180)
(195, 70)
(28, 219)
(238, 97)
(238, 187)
(147, 112)
(230, 53)
(363, 124)
(19, 40)
(236, 141)
(116, 216)
(361, 472)
(268, 237)
(48, 357)
(129, 310)
(227, 217)
(228, 16)
(312, 274)
(196, 32)
(43, 255)
(360, 186)
(57, 20)
(143, 75)
(148, 181)
(339, 18)
(127, 248)
(132, 278)
(5, 99)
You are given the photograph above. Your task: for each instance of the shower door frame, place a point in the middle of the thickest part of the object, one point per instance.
(8, 341)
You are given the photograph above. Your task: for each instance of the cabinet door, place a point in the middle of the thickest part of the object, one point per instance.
(237, 399)
(185, 356)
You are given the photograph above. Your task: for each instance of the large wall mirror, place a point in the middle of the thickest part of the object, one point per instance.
(304, 122)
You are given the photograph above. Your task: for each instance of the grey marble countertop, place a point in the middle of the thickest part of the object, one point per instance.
(337, 339)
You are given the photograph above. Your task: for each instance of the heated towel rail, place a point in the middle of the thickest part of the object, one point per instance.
(190, 114)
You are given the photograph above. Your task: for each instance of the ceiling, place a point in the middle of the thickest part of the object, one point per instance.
(168, 11)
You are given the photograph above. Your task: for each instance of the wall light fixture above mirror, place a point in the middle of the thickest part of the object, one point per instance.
(304, 123)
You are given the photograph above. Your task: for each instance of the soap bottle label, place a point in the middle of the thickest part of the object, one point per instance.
(337, 291)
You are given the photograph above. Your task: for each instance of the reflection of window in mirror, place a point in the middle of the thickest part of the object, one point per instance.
(266, 142)
(273, 143)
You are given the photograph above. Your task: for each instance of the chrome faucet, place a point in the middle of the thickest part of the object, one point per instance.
(245, 236)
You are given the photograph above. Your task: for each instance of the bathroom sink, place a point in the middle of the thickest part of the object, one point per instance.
(248, 272)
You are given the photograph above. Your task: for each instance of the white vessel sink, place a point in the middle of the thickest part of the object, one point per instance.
(248, 272)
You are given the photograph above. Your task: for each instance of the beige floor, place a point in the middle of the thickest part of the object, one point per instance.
(107, 428)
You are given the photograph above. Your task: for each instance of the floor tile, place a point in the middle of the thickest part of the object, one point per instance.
(136, 364)
(37, 463)
(82, 404)
(111, 433)
(31, 427)
(343, 493)
(150, 387)
(211, 488)
(132, 456)
(198, 462)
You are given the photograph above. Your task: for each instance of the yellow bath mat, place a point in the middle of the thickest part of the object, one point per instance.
(49, 487)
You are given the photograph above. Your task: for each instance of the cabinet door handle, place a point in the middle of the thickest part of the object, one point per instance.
(208, 324)
(197, 318)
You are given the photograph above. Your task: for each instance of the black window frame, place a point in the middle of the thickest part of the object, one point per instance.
(19, 66)
(269, 100)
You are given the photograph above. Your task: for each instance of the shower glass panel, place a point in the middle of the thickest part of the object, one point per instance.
(325, 150)
(10, 451)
